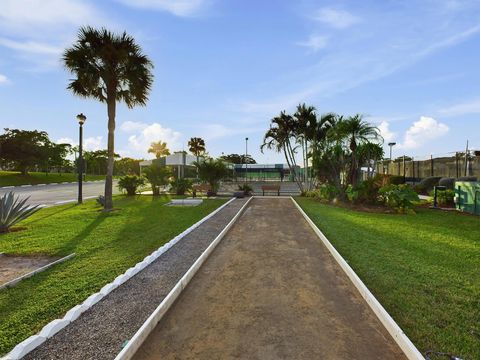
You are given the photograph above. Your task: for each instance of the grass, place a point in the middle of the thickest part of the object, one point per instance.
(13, 178)
(423, 268)
(106, 244)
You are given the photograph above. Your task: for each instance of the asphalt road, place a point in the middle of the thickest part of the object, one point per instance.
(56, 194)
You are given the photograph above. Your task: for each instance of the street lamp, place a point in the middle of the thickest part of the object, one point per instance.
(246, 153)
(391, 144)
(81, 120)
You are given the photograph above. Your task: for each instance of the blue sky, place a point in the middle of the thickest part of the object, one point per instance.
(223, 69)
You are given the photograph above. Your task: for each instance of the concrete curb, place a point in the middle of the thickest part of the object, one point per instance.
(39, 270)
(137, 340)
(390, 325)
(26, 346)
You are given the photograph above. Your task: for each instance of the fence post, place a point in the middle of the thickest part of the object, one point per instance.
(431, 165)
(413, 170)
(404, 169)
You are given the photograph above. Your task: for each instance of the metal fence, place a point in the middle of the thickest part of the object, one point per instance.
(454, 164)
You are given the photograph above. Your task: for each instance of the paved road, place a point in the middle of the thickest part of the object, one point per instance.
(55, 194)
(270, 290)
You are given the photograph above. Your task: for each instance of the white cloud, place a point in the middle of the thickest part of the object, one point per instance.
(94, 143)
(176, 7)
(30, 46)
(145, 134)
(423, 131)
(336, 18)
(3, 79)
(387, 134)
(315, 42)
(66, 140)
(464, 108)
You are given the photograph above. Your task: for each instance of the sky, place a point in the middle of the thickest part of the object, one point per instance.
(223, 69)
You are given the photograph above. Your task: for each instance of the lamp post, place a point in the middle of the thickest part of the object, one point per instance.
(81, 120)
(391, 144)
(246, 153)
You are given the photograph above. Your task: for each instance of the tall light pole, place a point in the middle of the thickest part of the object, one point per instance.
(391, 144)
(246, 153)
(81, 120)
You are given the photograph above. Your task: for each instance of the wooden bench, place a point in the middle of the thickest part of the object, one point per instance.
(275, 188)
(205, 188)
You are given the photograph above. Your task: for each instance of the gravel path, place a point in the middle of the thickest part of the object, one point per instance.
(100, 332)
(270, 290)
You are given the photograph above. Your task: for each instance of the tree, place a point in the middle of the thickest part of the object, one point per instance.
(212, 171)
(369, 154)
(109, 68)
(238, 159)
(306, 121)
(196, 146)
(157, 175)
(127, 166)
(24, 149)
(356, 131)
(159, 148)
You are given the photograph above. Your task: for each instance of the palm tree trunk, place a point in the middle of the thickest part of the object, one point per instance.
(111, 102)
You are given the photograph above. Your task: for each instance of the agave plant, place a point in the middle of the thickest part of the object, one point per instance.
(13, 210)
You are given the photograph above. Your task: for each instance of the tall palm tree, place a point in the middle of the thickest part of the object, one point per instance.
(357, 131)
(196, 146)
(159, 148)
(306, 120)
(109, 68)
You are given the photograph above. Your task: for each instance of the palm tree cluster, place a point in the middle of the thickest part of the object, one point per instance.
(331, 147)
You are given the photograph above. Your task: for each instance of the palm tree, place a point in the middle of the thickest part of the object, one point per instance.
(159, 148)
(110, 68)
(196, 146)
(306, 122)
(356, 131)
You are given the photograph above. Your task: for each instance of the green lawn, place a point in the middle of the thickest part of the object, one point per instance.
(13, 178)
(423, 268)
(106, 245)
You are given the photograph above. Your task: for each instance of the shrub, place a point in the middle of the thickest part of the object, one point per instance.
(130, 183)
(427, 184)
(157, 176)
(327, 192)
(399, 197)
(448, 182)
(14, 210)
(181, 186)
(444, 197)
(247, 189)
(396, 180)
(367, 191)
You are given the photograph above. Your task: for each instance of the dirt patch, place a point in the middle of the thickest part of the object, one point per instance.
(12, 267)
(270, 290)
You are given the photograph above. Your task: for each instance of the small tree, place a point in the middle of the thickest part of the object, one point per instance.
(157, 176)
(130, 183)
(212, 171)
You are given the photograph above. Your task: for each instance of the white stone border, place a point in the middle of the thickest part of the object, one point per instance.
(30, 274)
(390, 325)
(137, 340)
(56, 325)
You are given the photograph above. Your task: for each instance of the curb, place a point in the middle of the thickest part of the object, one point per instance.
(387, 321)
(137, 340)
(34, 272)
(31, 343)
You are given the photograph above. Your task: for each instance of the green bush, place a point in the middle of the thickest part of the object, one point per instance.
(427, 184)
(399, 197)
(247, 189)
(327, 192)
(444, 197)
(367, 191)
(130, 183)
(181, 186)
(396, 180)
(467, 178)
